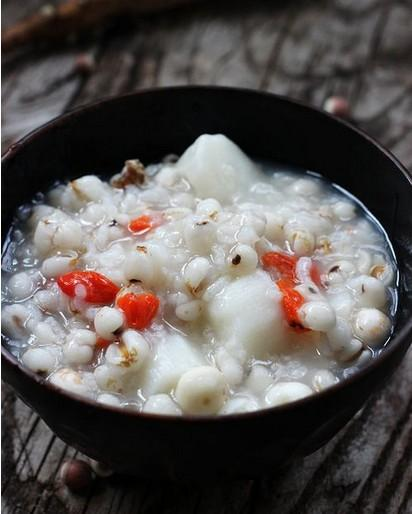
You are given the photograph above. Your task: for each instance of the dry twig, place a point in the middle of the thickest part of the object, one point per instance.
(72, 16)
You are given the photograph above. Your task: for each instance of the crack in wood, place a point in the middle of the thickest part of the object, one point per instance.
(384, 456)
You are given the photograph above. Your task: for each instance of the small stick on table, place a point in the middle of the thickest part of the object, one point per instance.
(52, 23)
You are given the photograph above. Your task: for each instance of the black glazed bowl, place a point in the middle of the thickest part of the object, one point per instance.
(149, 125)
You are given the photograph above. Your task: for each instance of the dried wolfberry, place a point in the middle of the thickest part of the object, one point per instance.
(139, 309)
(315, 275)
(141, 224)
(285, 264)
(99, 289)
(102, 344)
(292, 300)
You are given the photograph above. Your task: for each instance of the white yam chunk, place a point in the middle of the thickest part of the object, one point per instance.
(217, 168)
(246, 316)
(175, 355)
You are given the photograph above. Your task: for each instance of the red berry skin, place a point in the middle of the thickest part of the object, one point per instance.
(139, 309)
(99, 289)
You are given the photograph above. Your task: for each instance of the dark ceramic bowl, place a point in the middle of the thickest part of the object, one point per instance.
(149, 125)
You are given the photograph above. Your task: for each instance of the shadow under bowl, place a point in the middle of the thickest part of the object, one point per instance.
(149, 125)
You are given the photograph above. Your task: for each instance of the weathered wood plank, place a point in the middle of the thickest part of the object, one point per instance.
(38, 87)
(309, 50)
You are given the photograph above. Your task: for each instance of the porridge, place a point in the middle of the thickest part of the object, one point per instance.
(206, 284)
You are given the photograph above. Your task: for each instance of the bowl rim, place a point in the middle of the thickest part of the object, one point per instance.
(367, 369)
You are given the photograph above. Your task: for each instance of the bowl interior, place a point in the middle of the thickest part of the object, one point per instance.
(149, 125)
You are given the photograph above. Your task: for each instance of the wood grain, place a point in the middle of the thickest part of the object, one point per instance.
(309, 50)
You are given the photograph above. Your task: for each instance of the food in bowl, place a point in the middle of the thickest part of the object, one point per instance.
(206, 284)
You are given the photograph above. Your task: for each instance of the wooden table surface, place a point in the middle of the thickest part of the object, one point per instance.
(361, 49)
